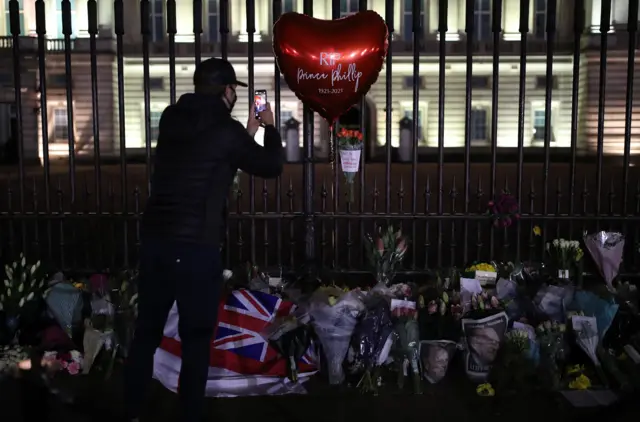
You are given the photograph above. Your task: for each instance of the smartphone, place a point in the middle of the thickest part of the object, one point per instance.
(260, 100)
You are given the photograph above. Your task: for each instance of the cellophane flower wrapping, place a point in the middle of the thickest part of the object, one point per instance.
(606, 249)
(334, 325)
(372, 338)
(291, 337)
(553, 352)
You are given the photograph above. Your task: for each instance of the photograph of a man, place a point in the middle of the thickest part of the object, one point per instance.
(484, 343)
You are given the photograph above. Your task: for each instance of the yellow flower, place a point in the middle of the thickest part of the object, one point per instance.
(332, 300)
(485, 390)
(582, 382)
(537, 231)
(575, 369)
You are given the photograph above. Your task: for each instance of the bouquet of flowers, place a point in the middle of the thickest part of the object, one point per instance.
(484, 272)
(24, 285)
(291, 337)
(70, 362)
(552, 350)
(503, 210)
(334, 316)
(606, 250)
(350, 147)
(404, 313)
(10, 357)
(564, 254)
(385, 253)
(515, 370)
(372, 341)
(439, 312)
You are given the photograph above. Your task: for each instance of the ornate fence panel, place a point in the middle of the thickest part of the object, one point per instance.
(472, 102)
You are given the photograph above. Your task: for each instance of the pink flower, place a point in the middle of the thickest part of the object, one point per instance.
(73, 368)
(432, 308)
(494, 302)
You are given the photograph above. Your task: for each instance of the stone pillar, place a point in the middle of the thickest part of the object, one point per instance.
(292, 139)
(184, 21)
(511, 20)
(29, 12)
(405, 150)
(81, 23)
(105, 19)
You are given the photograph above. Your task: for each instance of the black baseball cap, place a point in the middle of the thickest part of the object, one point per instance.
(215, 71)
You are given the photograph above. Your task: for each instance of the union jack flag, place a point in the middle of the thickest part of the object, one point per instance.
(238, 346)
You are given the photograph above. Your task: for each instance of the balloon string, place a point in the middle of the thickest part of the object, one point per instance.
(332, 145)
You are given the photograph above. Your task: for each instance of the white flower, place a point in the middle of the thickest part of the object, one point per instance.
(133, 299)
(23, 262)
(21, 288)
(30, 296)
(21, 303)
(6, 283)
(556, 243)
(15, 265)
(8, 293)
(227, 274)
(33, 269)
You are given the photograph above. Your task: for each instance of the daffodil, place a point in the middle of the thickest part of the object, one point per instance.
(537, 230)
(582, 382)
(485, 390)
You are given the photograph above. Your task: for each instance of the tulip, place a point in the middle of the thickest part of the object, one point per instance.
(494, 302)
(432, 308)
(443, 308)
(380, 246)
(445, 297)
(491, 204)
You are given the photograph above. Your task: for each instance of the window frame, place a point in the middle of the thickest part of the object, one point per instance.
(537, 106)
(477, 14)
(54, 138)
(538, 33)
(209, 15)
(154, 107)
(153, 15)
(487, 110)
(349, 12)
(407, 16)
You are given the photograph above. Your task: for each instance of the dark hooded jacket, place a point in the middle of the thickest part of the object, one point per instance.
(200, 148)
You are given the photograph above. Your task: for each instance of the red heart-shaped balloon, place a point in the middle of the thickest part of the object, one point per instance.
(330, 64)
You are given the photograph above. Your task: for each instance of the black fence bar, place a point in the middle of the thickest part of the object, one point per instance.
(276, 13)
(82, 214)
(522, 84)
(496, 29)
(551, 33)
(118, 16)
(197, 31)
(171, 31)
(578, 30)
(41, 32)
(605, 26)
(251, 30)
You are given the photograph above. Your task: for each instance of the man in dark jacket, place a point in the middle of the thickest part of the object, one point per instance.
(200, 148)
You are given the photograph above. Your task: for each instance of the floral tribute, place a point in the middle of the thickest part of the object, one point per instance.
(350, 147)
(503, 210)
(385, 252)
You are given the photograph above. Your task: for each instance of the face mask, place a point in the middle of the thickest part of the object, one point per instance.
(232, 103)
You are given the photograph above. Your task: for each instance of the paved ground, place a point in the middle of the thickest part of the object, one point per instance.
(452, 400)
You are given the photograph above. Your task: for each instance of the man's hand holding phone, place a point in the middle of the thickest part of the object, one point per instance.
(264, 118)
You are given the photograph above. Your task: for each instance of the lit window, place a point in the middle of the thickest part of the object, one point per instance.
(540, 19)
(482, 19)
(407, 16)
(288, 6)
(60, 125)
(213, 20)
(538, 126)
(156, 20)
(348, 7)
(479, 124)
